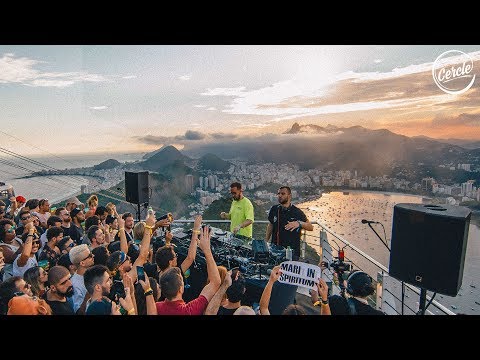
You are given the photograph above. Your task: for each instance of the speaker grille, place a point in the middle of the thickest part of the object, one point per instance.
(428, 246)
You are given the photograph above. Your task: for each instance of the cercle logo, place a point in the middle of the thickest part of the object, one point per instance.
(453, 72)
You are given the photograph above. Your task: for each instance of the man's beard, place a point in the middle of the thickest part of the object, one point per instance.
(105, 291)
(68, 293)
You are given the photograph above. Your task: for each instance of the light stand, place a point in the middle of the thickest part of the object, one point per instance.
(138, 212)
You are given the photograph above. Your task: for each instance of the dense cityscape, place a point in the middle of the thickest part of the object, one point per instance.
(209, 185)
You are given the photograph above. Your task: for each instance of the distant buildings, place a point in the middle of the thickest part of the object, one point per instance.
(427, 184)
(189, 183)
(465, 167)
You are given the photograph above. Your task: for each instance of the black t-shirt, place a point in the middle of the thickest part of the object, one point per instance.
(128, 235)
(286, 237)
(224, 311)
(60, 308)
(70, 231)
(339, 306)
(76, 233)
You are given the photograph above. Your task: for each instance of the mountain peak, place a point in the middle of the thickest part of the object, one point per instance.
(166, 156)
(211, 161)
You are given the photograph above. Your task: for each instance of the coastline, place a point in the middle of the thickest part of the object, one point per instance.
(379, 192)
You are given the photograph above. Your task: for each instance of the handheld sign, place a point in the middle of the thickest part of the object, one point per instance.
(300, 274)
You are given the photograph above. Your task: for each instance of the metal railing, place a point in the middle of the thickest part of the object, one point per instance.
(385, 298)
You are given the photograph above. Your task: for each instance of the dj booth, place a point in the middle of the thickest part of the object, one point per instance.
(254, 258)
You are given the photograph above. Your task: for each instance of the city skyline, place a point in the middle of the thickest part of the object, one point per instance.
(94, 99)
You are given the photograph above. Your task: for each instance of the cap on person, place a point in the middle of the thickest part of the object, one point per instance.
(20, 199)
(74, 212)
(79, 253)
(73, 200)
(115, 260)
(26, 305)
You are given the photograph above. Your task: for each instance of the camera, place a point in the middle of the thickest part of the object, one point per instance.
(339, 266)
(117, 291)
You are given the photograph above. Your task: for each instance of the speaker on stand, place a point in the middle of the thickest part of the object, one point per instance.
(428, 247)
(137, 190)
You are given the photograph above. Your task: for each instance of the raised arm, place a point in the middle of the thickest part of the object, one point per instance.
(267, 292)
(214, 304)
(144, 246)
(192, 249)
(323, 292)
(149, 300)
(27, 246)
(121, 235)
(213, 275)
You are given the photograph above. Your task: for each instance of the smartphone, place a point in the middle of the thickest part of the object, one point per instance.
(141, 273)
(117, 291)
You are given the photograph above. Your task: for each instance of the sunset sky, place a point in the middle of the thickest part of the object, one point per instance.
(78, 99)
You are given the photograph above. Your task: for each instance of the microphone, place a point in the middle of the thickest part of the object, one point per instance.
(369, 222)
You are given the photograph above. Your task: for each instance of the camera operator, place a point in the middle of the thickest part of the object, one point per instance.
(359, 286)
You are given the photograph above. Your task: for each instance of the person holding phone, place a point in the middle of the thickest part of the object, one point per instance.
(147, 292)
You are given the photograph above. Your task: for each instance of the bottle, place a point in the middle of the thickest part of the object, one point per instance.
(150, 211)
(170, 219)
(288, 253)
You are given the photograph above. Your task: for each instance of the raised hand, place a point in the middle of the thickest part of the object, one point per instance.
(162, 223)
(275, 274)
(121, 222)
(145, 284)
(322, 289)
(168, 237)
(198, 222)
(204, 241)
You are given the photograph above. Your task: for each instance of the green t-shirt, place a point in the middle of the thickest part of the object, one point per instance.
(240, 211)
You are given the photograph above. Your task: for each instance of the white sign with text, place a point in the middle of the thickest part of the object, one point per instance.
(300, 273)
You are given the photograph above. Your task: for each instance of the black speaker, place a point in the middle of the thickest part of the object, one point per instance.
(136, 187)
(428, 246)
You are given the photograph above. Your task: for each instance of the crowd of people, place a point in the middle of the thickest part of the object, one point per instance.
(86, 259)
